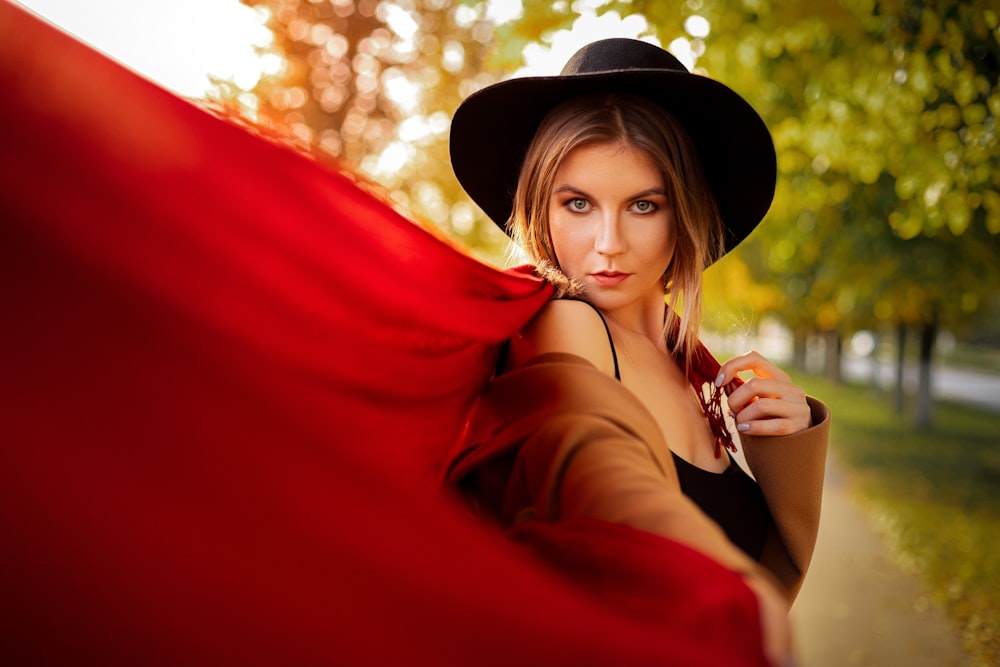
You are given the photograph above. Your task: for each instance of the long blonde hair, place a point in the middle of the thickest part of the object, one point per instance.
(643, 125)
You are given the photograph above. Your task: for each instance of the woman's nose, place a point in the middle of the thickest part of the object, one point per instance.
(609, 238)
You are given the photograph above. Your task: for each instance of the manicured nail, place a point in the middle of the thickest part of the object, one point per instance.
(743, 428)
(720, 379)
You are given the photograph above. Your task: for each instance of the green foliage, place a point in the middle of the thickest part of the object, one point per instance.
(933, 494)
(539, 20)
(947, 60)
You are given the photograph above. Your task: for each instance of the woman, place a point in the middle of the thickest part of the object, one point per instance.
(622, 179)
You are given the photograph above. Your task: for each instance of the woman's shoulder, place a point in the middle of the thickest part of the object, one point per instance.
(565, 325)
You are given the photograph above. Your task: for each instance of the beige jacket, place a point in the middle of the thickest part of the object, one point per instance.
(558, 438)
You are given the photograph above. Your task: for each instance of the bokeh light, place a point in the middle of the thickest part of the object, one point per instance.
(181, 44)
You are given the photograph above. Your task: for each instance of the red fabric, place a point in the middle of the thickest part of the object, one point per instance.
(229, 376)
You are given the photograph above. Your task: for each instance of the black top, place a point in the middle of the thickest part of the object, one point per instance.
(731, 498)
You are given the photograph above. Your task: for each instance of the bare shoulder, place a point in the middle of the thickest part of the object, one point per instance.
(564, 325)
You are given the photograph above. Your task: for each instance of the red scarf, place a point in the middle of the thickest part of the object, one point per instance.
(230, 376)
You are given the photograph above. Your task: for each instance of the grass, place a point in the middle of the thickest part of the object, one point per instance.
(935, 496)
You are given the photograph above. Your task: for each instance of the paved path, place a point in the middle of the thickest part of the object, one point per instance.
(857, 608)
(962, 385)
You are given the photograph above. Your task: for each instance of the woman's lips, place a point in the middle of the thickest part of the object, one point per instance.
(609, 278)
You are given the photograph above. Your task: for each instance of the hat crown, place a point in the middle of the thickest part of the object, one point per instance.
(617, 54)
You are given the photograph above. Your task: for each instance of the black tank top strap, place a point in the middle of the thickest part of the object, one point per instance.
(505, 346)
(607, 330)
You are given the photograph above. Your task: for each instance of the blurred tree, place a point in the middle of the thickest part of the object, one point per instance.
(374, 83)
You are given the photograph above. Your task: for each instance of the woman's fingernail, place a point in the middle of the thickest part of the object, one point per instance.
(720, 378)
(743, 428)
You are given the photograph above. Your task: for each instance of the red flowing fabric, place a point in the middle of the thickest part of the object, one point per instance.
(229, 377)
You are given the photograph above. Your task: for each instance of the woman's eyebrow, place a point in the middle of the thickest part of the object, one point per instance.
(570, 189)
(564, 189)
(662, 192)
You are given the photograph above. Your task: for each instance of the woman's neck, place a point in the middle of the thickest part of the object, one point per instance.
(644, 318)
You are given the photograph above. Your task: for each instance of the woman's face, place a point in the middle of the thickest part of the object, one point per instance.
(611, 224)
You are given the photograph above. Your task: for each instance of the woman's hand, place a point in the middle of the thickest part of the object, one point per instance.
(768, 403)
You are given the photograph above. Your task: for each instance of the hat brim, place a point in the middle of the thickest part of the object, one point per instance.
(492, 128)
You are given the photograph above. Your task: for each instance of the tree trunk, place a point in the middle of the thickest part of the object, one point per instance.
(900, 363)
(800, 341)
(875, 366)
(925, 399)
(833, 348)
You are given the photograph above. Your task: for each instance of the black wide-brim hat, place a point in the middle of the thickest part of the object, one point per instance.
(492, 128)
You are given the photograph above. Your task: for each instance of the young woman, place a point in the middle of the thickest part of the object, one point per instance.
(622, 179)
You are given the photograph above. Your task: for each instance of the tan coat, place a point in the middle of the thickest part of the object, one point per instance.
(557, 438)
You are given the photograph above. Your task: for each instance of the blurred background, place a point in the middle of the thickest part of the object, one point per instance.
(875, 277)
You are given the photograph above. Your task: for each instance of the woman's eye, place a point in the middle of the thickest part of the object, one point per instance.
(578, 205)
(644, 206)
